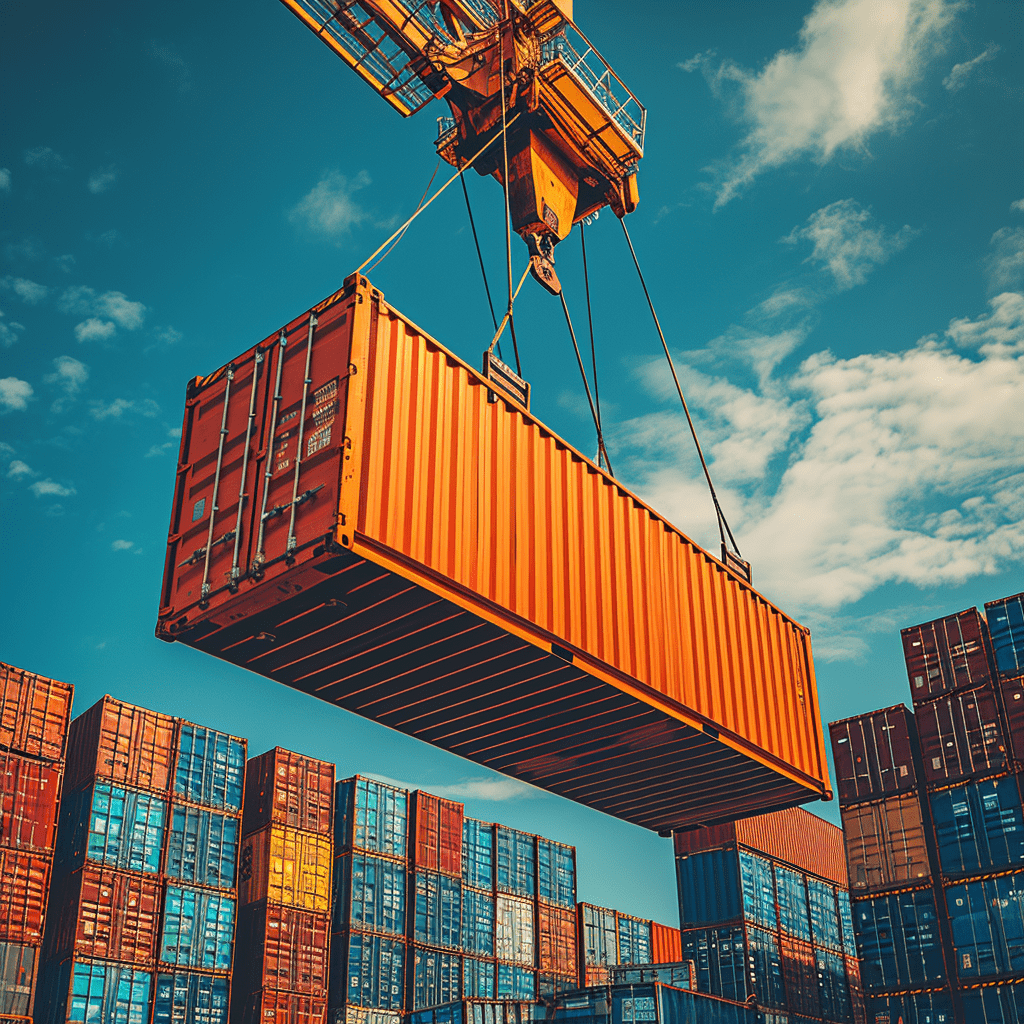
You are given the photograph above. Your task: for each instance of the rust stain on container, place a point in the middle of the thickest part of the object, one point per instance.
(384, 536)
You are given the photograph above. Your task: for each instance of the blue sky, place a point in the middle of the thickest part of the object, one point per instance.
(831, 225)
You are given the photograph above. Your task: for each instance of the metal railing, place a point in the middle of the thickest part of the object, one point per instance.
(573, 50)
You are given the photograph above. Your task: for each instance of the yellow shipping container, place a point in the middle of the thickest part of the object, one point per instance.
(286, 866)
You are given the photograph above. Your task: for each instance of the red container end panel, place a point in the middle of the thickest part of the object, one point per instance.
(437, 828)
(355, 518)
(34, 713)
(874, 755)
(280, 947)
(122, 744)
(666, 944)
(29, 799)
(108, 915)
(556, 940)
(24, 888)
(285, 788)
(961, 736)
(947, 654)
(275, 1007)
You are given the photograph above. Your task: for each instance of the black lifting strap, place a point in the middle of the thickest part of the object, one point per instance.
(723, 525)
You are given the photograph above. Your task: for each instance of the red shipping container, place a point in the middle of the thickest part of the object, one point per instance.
(666, 944)
(800, 976)
(275, 1007)
(108, 915)
(279, 947)
(952, 653)
(437, 827)
(961, 736)
(123, 744)
(288, 789)
(24, 888)
(595, 976)
(29, 799)
(556, 939)
(1011, 693)
(874, 754)
(34, 713)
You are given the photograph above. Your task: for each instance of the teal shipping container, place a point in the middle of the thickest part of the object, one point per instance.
(438, 910)
(988, 926)
(367, 971)
(189, 997)
(719, 955)
(516, 868)
(209, 768)
(791, 896)
(709, 889)
(833, 986)
(826, 929)
(94, 992)
(764, 968)
(371, 816)
(634, 940)
(478, 980)
(998, 1004)
(477, 923)
(198, 929)
(556, 873)
(898, 937)
(369, 894)
(477, 853)
(678, 975)
(651, 1004)
(474, 1011)
(435, 977)
(1006, 627)
(202, 847)
(516, 983)
(916, 1008)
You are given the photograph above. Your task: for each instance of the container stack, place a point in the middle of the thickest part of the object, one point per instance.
(284, 920)
(515, 915)
(607, 938)
(765, 913)
(479, 907)
(557, 919)
(146, 866)
(34, 716)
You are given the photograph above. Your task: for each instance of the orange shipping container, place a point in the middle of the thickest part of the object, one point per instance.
(436, 827)
(355, 516)
(288, 789)
(123, 744)
(666, 944)
(34, 713)
(286, 866)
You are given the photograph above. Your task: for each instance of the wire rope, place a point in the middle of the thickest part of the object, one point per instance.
(590, 322)
(383, 256)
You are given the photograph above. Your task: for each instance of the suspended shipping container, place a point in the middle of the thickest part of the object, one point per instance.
(898, 940)
(951, 653)
(369, 894)
(417, 553)
(210, 767)
(961, 736)
(190, 997)
(29, 797)
(202, 847)
(122, 744)
(284, 788)
(280, 948)
(435, 977)
(198, 929)
(95, 992)
(34, 713)
(371, 816)
(287, 866)
(988, 926)
(514, 930)
(885, 844)
(478, 853)
(979, 827)
(874, 754)
(478, 910)
(436, 834)
(18, 966)
(556, 873)
(1006, 626)
(24, 887)
(437, 916)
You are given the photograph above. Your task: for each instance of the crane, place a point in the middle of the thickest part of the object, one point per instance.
(520, 71)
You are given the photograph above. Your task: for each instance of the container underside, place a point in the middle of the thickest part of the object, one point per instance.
(367, 639)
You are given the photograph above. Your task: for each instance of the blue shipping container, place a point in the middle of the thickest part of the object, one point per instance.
(988, 926)
(198, 929)
(1006, 624)
(438, 914)
(477, 853)
(709, 891)
(846, 919)
(435, 977)
(516, 983)
(371, 816)
(833, 987)
(190, 998)
(898, 937)
(556, 873)
(677, 975)
(202, 847)
(515, 861)
(634, 940)
(826, 931)
(369, 894)
(660, 1004)
(210, 768)
(791, 894)
(719, 956)
(979, 827)
(99, 993)
(474, 1011)
(921, 1008)
(758, 884)
(477, 978)
(17, 971)
(477, 923)
(998, 1004)
(600, 936)
(764, 968)
(367, 970)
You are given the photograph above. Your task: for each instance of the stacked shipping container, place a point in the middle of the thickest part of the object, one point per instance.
(146, 870)
(34, 716)
(284, 918)
(765, 913)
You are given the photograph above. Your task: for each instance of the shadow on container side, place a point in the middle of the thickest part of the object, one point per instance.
(359, 516)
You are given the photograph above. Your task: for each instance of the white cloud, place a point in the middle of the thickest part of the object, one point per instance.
(94, 330)
(6, 450)
(122, 545)
(18, 469)
(157, 450)
(101, 180)
(64, 263)
(1005, 264)
(999, 335)
(847, 242)
(82, 300)
(9, 332)
(70, 376)
(1018, 205)
(958, 75)
(329, 208)
(45, 159)
(5, 180)
(119, 406)
(50, 488)
(850, 77)
(498, 789)
(27, 291)
(14, 394)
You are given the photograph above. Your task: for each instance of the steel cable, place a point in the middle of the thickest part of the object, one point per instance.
(590, 322)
